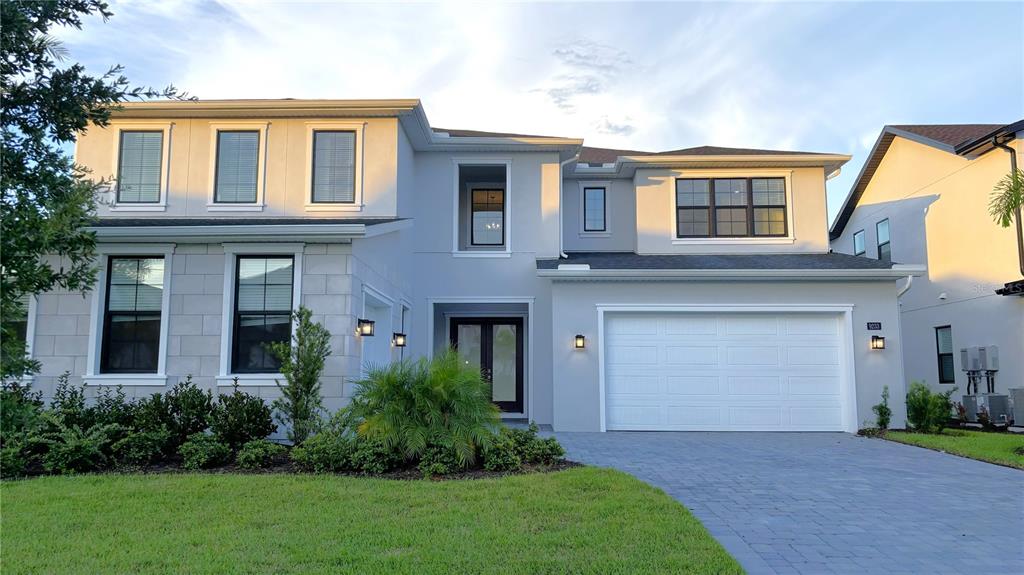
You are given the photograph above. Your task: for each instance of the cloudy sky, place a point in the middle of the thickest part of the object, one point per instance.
(649, 76)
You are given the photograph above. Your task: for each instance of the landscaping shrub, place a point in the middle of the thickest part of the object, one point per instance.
(408, 406)
(326, 452)
(533, 449)
(111, 406)
(438, 460)
(374, 456)
(20, 413)
(502, 454)
(13, 459)
(188, 408)
(202, 451)
(883, 413)
(140, 448)
(72, 449)
(239, 418)
(69, 406)
(927, 411)
(302, 361)
(258, 453)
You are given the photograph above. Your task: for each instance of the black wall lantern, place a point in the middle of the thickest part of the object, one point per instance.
(364, 327)
(398, 339)
(580, 342)
(877, 342)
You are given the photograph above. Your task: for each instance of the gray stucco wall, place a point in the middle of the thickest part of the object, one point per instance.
(575, 375)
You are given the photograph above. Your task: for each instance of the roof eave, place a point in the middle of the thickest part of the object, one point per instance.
(888, 274)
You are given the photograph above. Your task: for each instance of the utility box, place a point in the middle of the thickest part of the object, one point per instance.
(1017, 395)
(988, 358)
(996, 404)
(970, 359)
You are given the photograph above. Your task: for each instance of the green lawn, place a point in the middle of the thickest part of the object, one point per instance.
(580, 520)
(991, 447)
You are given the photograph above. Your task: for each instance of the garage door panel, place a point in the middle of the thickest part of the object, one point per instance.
(722, 371)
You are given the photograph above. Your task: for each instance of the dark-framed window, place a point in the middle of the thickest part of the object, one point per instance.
(884, 248)
(237, 168)
(731, 207)
(858, 243)
(487, 217)
(15, 325)
(263, 308)
(334, 167)
(139, 161)
(944, 351)
(131, 314)
(594, 208)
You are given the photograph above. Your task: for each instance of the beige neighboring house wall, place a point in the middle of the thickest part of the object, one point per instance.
(937, 206)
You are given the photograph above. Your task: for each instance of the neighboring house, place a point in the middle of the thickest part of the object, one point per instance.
(923, 197)
(599, 289)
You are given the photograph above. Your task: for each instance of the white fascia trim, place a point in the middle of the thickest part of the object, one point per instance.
(818, 274)
(263, 128)
(337, 231)
(96, 310)
(357, 203)
(167, 128)
(231, 251)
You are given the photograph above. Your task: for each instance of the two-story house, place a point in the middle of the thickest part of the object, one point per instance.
(597, 289)
(923, 197)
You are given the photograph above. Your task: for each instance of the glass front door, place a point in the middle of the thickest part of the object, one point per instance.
(495, 347)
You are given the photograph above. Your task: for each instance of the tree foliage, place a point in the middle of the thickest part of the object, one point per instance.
(302, 362)
(1007, 198)
(47, 201)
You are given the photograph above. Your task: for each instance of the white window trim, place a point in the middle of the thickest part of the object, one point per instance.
(231, 253)
(263, 128)
(167, 128)
(607, 232)
(357, 205)
(92, 374)
(787, 175)
(864, 238)
(30, 334)
(482, 252)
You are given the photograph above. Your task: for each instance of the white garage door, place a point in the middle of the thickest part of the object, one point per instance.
(723, 371)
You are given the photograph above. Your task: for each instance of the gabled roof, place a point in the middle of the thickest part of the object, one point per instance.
(945, 137)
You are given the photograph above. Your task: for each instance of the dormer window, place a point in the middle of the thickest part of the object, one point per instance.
(739, 207)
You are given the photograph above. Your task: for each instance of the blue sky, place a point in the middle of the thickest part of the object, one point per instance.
(649, 76)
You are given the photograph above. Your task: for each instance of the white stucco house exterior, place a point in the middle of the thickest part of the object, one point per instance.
(691, 289)
(923, 197)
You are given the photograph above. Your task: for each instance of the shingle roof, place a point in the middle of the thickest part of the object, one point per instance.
(632, 261)
(950, 134)
(146, 222)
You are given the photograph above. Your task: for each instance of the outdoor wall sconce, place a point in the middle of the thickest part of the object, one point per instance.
(364, 327)
(398, 339)
(580, 342)
(877, 342)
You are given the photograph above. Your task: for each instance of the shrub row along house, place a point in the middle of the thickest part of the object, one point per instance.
(598, 289)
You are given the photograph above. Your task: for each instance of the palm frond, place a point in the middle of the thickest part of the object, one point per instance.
(1007, 198)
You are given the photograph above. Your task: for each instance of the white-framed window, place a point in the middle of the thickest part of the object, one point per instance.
(482, 207)
(594, 209)
(141, 169)
(884, 247)
(262, 286)
(238, 159)
(732, 207)
(129, 315)
(858, 243)
(334, 166)
(22, 326)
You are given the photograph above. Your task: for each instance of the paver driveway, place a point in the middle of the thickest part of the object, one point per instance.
(829, 502)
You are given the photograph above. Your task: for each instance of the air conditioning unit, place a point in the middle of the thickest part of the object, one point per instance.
(996, 404)
(970, 359)
(988, 358)
(1017, 396)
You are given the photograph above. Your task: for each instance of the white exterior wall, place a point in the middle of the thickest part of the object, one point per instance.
(937, 207)
(577, 399)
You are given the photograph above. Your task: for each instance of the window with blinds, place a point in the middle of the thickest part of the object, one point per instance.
(139, 166)
(334, 167)
(237, 174)
(263, 307)
(131, 319)
(594, 210)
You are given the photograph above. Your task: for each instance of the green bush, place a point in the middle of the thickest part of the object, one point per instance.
(239, 418)
(72, 449)
(13, 460)
(69, 405)
(258, 453)
(326, 452)
(140, 448)
(533, 449)
(883, 413)
(111, 406)
(438, 460)
(302, 361)
(20, 413)
(928, 411)
(202, 451)
(375, 457)
(502, 454)
(183, 411)
(408, 406)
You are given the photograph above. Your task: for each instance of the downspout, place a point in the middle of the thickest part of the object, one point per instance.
(561, 216)
(904, 289)
(1020, 226)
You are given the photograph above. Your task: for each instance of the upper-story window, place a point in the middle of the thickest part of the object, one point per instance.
(132, 315)
(487, 226)
(140, 155)
(730, 207)
(334, 167)
(858, 243)
(237, 175)
(482, 209)
(884, 249)
(594, 203)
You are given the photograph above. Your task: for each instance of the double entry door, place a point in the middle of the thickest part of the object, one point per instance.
(494, 345)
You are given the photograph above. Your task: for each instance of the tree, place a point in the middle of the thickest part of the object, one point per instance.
(302, 362)
(1007, 198)
(47, 201)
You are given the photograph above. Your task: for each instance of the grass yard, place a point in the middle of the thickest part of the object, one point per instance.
(584, 520)
(991, 447)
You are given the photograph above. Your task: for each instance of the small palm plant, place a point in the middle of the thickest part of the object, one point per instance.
(1007, 198)
(438, 402)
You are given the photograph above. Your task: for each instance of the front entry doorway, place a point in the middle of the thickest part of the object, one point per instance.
(494, 346)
